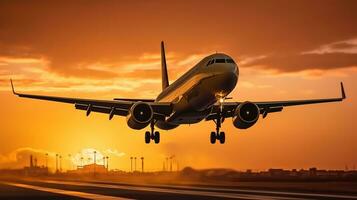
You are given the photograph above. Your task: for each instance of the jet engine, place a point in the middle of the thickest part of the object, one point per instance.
(140, 115)
(246, 115)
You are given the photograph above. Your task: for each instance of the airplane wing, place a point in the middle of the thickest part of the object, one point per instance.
(266, 107)
(119, 107)
(126, 99)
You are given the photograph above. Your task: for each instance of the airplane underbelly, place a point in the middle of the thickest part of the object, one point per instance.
(190, 117)
(204, 94)
(195, 104)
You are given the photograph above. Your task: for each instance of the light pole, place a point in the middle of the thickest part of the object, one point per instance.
(142, 164)
(135, 163)
(131, 164)
(167, 163)
(107, 163)
(60, 163)
(82, 161)
(171, 158)
(56, 162)
(170, 164)
(70, 161)
(46, 160)
(95, 154)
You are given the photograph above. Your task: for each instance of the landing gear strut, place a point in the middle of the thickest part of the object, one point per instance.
(221, 136)
(153, 135)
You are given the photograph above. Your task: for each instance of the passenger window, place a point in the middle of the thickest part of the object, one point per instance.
(220, 60)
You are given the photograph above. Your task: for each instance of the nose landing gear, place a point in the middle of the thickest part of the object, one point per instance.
(221, 136)
(153, 135)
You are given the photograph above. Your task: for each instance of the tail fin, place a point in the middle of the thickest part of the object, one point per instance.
(165, 78)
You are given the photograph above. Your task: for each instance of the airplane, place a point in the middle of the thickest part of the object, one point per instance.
(197, 95)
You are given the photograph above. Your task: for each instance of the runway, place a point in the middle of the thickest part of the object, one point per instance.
(55, 189)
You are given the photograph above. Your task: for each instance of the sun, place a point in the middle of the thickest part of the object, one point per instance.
(86, 156)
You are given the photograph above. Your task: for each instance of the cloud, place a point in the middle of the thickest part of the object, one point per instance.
(300, 62)
(190, 60)
(86, 156)
(114, 152)
(20, 158)
(31, 74)
(346, 47)
(248, 60)
(113, 40)
(10, 60)
(250, 85)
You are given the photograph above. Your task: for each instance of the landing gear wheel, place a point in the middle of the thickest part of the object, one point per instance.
(157, 137)
(222, 137)
(147, 137)
(213, 137)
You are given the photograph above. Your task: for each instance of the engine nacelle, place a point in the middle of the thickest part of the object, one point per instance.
(140, 115)
(246, 115)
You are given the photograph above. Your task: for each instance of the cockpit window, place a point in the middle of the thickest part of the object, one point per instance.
(220, 61)
(230, 61)
(210, 62)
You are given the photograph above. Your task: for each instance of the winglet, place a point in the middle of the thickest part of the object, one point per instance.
(12, 87)
(343, 92)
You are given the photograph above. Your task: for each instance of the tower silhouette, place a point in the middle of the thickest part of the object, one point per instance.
(31, 161)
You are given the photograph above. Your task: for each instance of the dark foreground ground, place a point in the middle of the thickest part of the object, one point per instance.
(37, 188)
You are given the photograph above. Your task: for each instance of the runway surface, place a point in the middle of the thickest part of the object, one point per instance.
(55, 189)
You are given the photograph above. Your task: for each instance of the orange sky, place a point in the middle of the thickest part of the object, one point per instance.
(285, 50)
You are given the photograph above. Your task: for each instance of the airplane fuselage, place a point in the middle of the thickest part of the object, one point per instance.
(193, 94)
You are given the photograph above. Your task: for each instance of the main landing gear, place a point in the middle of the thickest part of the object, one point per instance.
(221, 136)
(153, 135)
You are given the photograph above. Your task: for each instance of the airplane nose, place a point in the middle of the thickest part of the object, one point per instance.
(226, 82)
(236, 70)
(231, 69)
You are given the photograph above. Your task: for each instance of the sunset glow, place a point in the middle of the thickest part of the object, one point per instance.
(111, 49)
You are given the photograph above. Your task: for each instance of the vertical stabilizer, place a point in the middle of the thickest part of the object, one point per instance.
(165, 78)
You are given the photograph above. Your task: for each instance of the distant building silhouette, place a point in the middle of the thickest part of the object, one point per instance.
(33, 169)
(86, 169)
